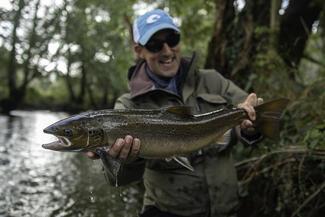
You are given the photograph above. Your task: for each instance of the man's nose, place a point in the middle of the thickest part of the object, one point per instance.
(166, 49)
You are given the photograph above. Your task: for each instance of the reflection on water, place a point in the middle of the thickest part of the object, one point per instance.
(38, 182)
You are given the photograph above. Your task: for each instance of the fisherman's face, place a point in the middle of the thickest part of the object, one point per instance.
(162, 53)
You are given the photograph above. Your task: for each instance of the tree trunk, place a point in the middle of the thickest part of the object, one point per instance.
(104, 96)
(91, 97)
(238, 38)
(28, 77)
(71, 92)
(14, 97)
(274, 22)
(295, 28)
(216, 55)
(233, 43)
(83, 83)
(17, 91)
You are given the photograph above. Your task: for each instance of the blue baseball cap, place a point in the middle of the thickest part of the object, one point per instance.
(150, 23)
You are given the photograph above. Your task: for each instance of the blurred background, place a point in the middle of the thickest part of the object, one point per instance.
(60, 57)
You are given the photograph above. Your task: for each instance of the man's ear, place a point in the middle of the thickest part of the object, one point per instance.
(138, 51)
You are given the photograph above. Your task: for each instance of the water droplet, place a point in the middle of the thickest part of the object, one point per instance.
(92, 199)
(116, 181)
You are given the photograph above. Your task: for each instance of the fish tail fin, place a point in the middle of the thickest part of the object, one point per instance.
(268, 117)
(111, 166)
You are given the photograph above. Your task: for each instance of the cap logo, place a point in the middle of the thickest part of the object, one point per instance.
(153, 18)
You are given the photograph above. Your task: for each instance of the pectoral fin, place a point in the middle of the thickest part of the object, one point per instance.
(111, 165)
(184, 162)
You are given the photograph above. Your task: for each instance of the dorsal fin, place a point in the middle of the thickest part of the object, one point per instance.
(182, 111)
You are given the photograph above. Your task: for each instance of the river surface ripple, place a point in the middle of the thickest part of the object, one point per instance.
(37, 182)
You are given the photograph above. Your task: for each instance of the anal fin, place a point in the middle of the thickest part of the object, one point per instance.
(225, 138)
(184, 162)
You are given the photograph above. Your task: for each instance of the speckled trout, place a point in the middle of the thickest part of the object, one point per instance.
(164, 133)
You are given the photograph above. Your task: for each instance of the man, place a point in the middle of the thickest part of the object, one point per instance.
(162, 78)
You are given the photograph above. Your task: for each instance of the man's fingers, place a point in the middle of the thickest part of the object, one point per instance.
(251, 99)
(246, 124)
(115, 149)
(260, 101)
(251, 112)
(248, 105)
(126, 148)
(135, 149)
(92, 155)
(249, 109)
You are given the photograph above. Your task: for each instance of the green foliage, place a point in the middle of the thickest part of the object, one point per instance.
(45, 94)
(289, 182)
(308, 115)
(93, 41)
(197, 18)
(312, 66)
(315, 137)
(283, 183)
(272, 78)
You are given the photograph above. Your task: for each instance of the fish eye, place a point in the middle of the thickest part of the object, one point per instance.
(68, 132)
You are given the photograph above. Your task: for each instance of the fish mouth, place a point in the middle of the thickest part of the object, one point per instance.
(60, 145)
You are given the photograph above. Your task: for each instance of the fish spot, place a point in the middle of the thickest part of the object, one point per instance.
(95, 132)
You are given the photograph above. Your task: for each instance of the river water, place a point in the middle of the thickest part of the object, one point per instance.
(37, 182)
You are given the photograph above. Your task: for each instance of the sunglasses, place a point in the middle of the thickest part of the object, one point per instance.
(156, 45)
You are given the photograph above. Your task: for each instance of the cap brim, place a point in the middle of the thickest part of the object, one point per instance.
(145, 38)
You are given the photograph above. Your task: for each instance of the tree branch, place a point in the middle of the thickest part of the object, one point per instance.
(310, 198)
(313, 60)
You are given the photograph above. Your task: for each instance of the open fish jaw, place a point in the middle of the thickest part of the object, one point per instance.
(62, 142)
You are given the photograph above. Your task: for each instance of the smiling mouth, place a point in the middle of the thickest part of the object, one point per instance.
(167, 61)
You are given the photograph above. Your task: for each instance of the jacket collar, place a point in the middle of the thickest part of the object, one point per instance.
(140, 83)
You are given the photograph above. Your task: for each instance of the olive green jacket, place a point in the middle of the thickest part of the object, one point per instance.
(211, 190)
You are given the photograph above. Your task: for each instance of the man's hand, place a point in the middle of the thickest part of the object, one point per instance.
(248, 106)
(126, 150)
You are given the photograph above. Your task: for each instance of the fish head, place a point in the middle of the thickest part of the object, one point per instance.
(75, 133)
